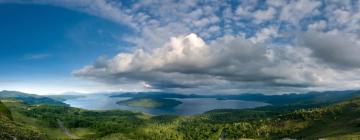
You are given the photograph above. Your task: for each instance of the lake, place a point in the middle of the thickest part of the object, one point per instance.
(189, 106)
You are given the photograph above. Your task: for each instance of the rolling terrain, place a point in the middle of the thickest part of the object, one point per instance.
(331, 120)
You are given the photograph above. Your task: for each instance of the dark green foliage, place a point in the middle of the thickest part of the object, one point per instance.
(300, 121)
(198, 130)
(4, 111)
(105, 122)
(10, 130)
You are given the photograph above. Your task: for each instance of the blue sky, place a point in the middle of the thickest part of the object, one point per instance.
(41, 43)
(273, 46)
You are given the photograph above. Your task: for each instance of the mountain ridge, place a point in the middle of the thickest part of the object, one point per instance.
(283, 99)
(28, 98)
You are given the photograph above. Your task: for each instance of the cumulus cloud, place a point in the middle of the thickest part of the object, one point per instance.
(264, 15)
(219, 46)
(187, 62)
(296, 10)
(335, 50)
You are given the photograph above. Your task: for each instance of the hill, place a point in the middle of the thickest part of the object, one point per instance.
(62, 98)
(4, 111)
(9, 129)
(28, 98)
(338, 120)
(283, 99)
(301, 121)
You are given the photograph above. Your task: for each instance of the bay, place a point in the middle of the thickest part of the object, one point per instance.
(189, 106)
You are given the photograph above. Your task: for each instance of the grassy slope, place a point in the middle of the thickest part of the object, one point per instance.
(28, 98)
(17, 108)
(4, 111)
(336, 121)
(10, 128)
(339, 120)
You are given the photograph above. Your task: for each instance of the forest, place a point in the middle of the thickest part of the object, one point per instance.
(42, 121)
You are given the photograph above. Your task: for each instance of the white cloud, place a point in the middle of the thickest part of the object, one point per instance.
(187, 62)
(317, 26)
(336, 50)
(264, 34)
(263, 15)
(296, 10)
(300, 46)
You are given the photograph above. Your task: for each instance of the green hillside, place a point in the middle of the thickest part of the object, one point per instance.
(28, 98)
(10, 129)
(4, 111)
(44, 121)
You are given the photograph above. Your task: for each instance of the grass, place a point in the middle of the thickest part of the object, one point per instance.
(35, 124)
(4, 111)
(16, 107)
(83, 132)
(337, 121)
(352, 136)
(115, 136)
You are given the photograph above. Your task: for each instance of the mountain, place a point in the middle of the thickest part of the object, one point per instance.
(64, 97)
(28, 98)
(150, 95)
(283, 99)
(305, 98)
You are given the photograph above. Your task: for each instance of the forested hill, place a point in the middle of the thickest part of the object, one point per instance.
(28, 98)
(44, 121)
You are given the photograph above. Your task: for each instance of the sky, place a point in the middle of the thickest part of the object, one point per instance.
(202, 47)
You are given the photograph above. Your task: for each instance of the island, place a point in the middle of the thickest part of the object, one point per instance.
(150, 102)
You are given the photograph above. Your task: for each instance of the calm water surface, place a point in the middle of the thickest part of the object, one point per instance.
(190, 106)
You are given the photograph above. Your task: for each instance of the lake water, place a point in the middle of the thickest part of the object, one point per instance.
(189, 106)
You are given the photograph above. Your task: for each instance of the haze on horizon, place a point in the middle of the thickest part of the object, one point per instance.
(224, 47)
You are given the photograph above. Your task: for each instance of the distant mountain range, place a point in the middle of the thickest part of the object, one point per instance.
(284, 99)
(306, 98)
